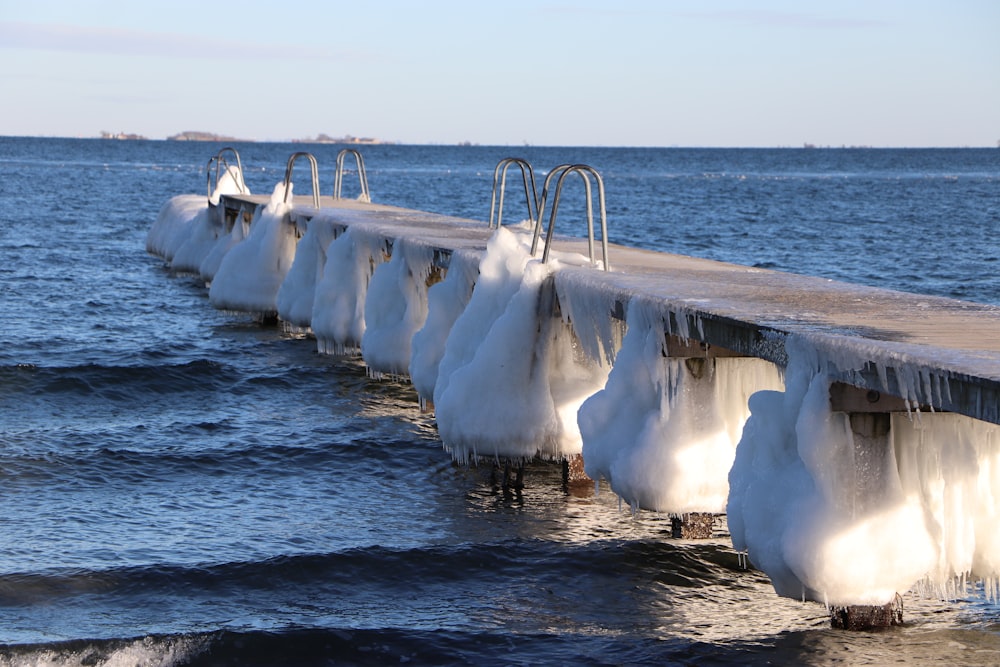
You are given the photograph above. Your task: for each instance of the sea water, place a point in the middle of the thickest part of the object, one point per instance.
(180, 485)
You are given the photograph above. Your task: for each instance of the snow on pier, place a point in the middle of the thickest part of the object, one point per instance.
(806, 409)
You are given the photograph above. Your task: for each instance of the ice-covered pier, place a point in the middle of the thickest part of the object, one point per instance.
(848, 433)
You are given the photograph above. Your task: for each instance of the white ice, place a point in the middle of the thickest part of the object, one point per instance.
(213, 258)
(664, 431)
(173, 224)
(396, 308)
(831, 516)
(509, 382)
(445, 302)
(186, 216)
(298, 291)
(251, 272)
(204, 231)
(338, 315)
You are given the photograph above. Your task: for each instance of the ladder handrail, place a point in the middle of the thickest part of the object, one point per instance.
(315, 175)
(541, 208)
(560, 172)
(338, 176)
(208, 175)
(531, 199)
(219, 161)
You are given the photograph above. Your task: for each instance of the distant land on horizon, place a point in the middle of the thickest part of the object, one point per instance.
(198, 135)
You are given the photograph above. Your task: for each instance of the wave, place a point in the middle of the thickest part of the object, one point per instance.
(393, 645)
(465, 603)
(113, 382)
(217, 449)
(393, 569)
(305, 647)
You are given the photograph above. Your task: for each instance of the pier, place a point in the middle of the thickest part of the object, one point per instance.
(810, 411)
(954, 346)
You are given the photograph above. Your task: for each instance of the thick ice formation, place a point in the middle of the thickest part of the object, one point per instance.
(338, 316)
(664, 431)
(829, 514)
(185, 216)
(298, 291)
(213, 259)
(205, 230)
(445, 302)
(202, 235)
(951, 464)
(589, 307)
(840, 518)
(230, 183)
(396, 308)
(509, 382)
(251, 273)
(173, 224)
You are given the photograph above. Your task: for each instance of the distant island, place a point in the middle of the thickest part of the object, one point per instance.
(346, 139)
(120, 135)
(201, 136)
(198, 135)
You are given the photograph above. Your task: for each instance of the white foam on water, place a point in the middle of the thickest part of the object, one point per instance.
(147, 651)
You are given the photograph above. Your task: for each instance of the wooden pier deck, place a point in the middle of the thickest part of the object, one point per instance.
(952, 346)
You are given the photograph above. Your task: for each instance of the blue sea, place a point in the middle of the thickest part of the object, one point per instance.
(184, 486)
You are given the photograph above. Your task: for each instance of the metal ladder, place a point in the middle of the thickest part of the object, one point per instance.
(338, 177)
(530, 199)
(561, 172)
(220, 162)
(315, 175)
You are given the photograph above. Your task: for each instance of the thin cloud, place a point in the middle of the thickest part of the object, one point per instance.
(786, 19)
(573, 10)
(120, 42)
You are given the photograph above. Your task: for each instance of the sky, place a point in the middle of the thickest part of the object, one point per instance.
(508, 72)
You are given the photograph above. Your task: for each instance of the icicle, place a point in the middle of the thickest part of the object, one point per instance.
(526, 396)
(663, 431)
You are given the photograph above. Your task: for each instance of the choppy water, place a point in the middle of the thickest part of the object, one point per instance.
(184, 486)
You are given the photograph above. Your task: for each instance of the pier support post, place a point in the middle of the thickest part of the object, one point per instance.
(573, 471)
(575, 480)
(509, 477)
(692, 526)
(869, 413)
(867, 617)
(699, 361)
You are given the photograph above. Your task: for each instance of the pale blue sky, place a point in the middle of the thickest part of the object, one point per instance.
(559, 72)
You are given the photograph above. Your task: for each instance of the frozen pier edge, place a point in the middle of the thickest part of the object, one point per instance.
(850, 434)
(929, 351)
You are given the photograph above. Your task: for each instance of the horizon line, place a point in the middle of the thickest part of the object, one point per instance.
(470, 144)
